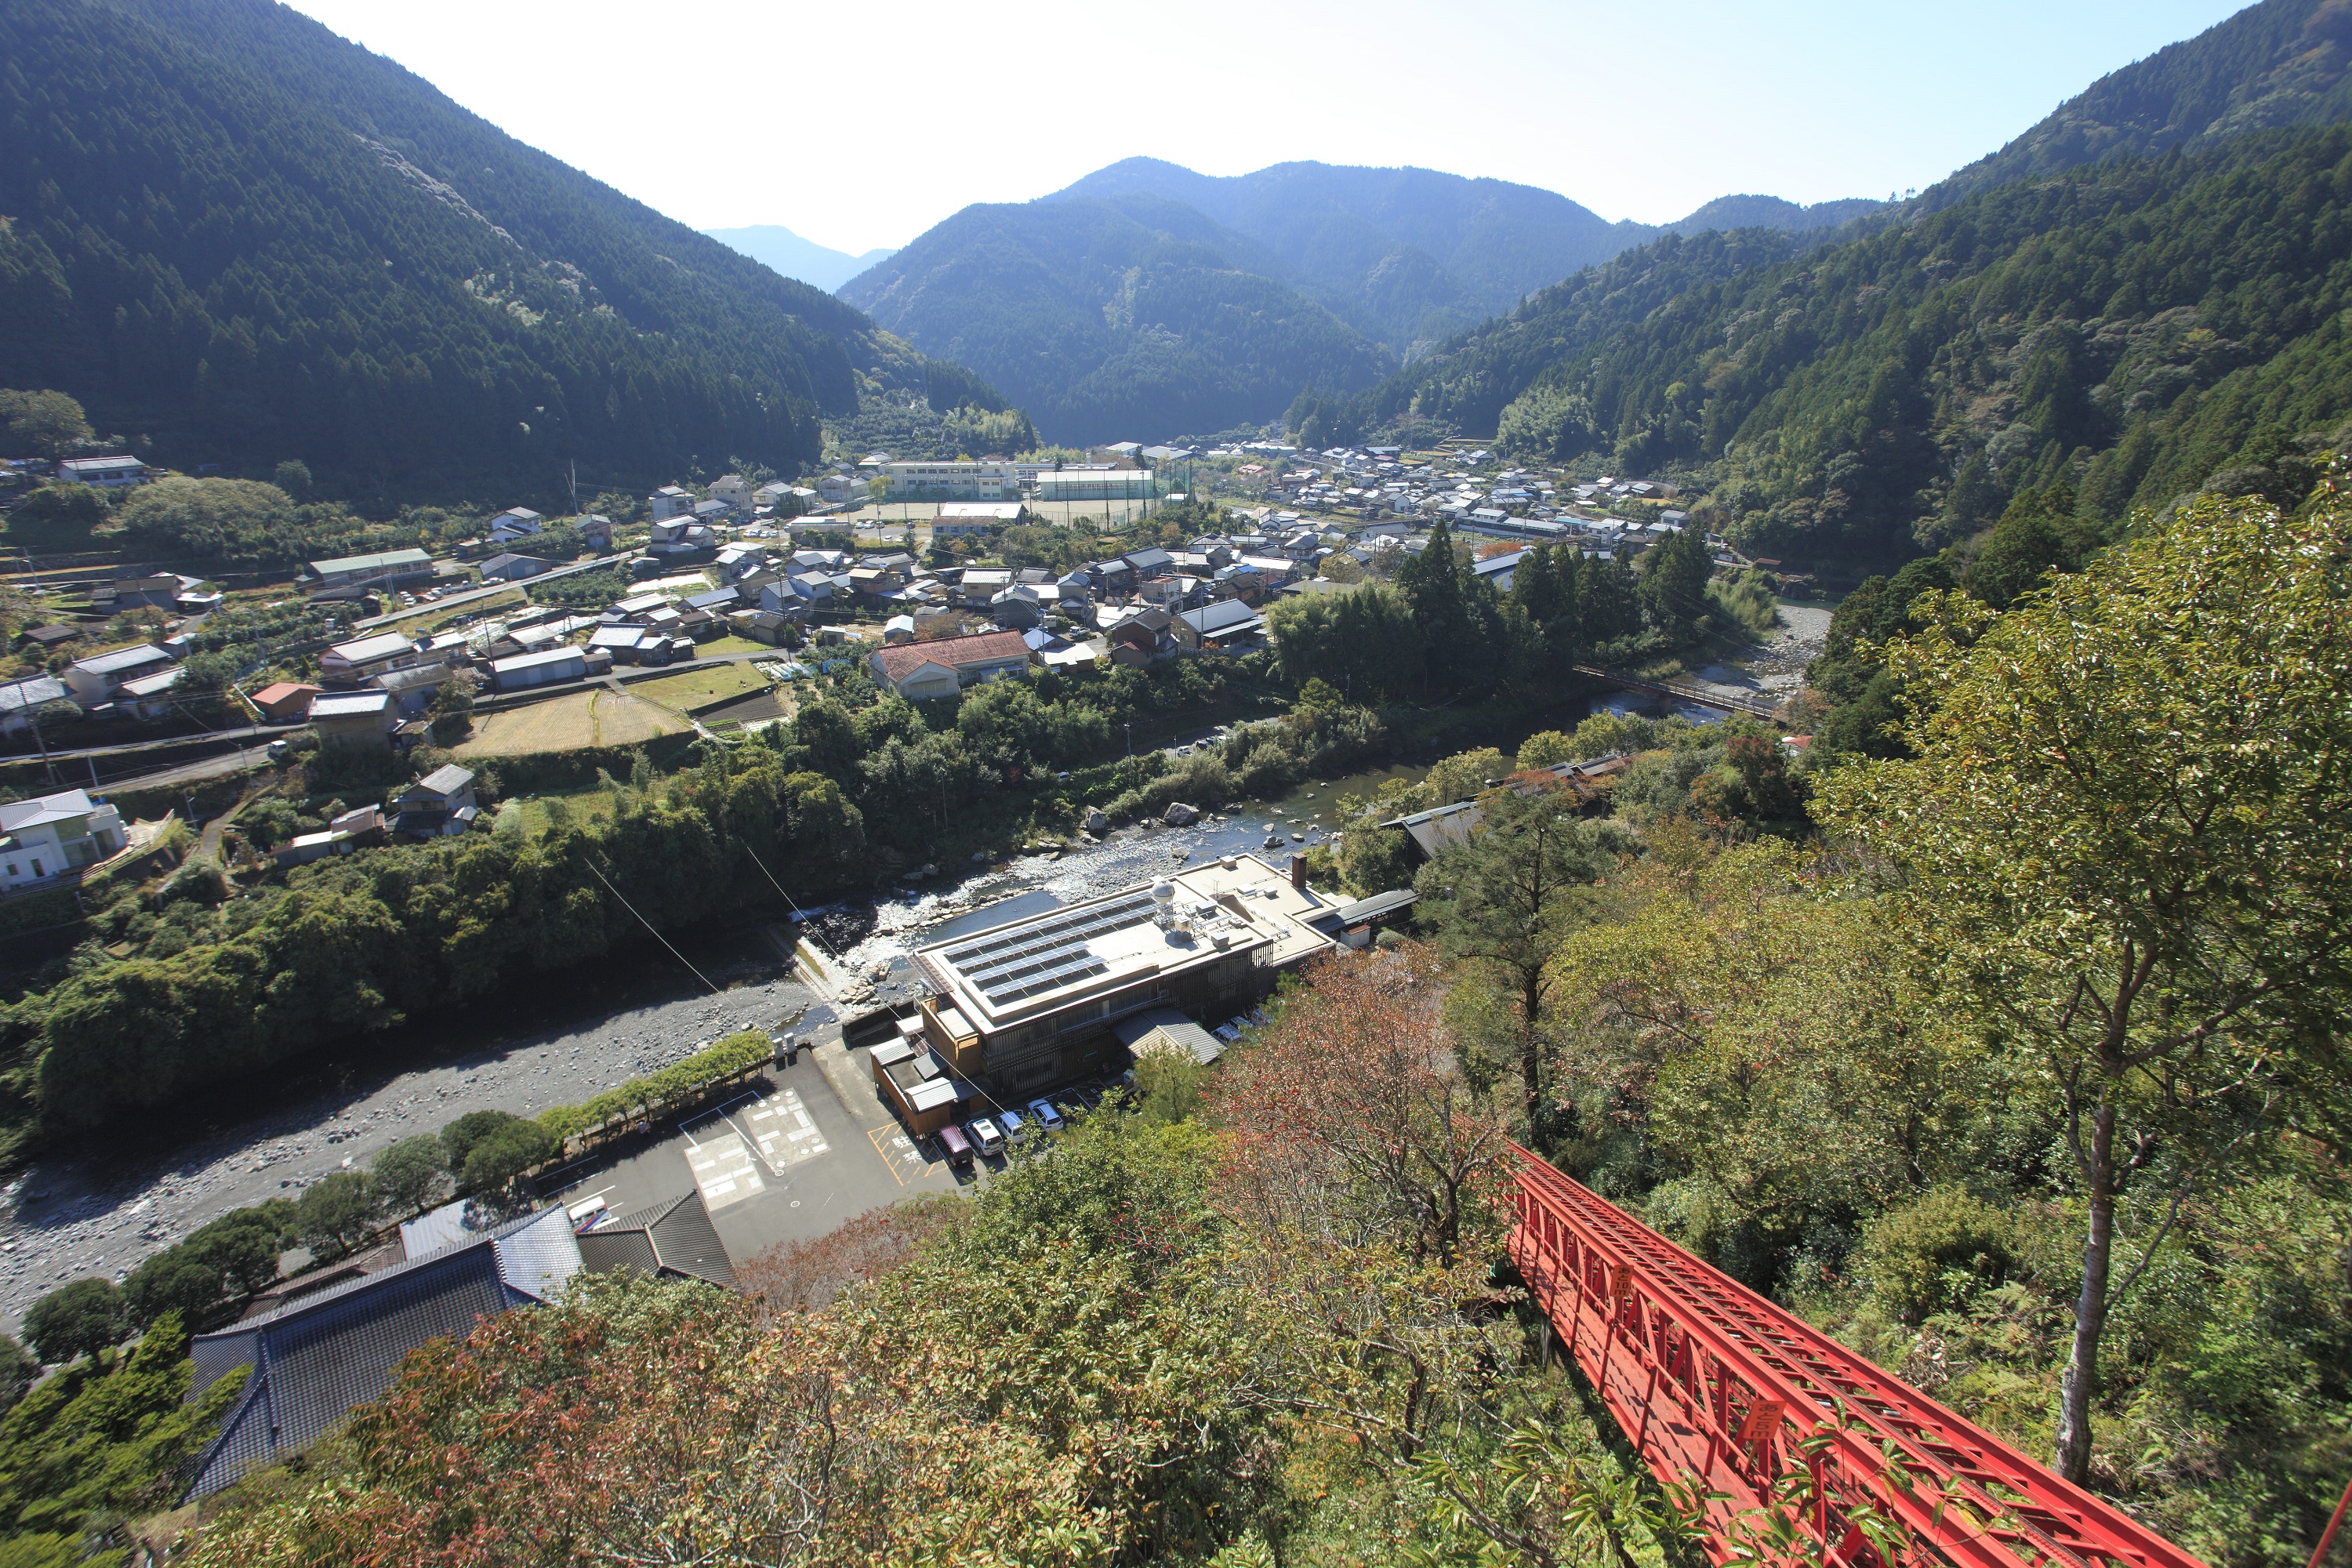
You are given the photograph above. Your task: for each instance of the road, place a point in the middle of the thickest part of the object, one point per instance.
(474, 596)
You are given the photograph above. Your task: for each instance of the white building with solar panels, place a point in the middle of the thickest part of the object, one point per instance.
(1032, 1003)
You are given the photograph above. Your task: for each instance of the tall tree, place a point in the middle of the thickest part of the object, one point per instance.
(1510, 894)
(2126, 840)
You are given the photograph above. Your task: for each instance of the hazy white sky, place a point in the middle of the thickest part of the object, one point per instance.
(862, 125)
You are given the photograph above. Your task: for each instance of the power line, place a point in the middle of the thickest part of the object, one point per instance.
(649, 926)
(788, 900)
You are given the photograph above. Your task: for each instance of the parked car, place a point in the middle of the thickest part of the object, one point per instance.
(1016, 1129)
(1047, 1116)
(955, 1146)
(984, 1135)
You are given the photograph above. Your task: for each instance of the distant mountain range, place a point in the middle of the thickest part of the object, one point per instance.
(236, 233)
(804, 260)
(1148, 297)
(2143, 294)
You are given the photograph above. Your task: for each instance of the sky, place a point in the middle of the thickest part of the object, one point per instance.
(860, 126)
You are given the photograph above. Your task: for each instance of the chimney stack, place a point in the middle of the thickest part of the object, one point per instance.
(1299, 872)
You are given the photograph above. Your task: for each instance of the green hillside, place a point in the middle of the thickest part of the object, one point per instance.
(234, 231)
(1413, 256)
(2125, 327)
(1107, 320)
(2276, 64)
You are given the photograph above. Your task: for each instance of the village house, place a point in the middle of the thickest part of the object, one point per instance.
(20, 701)
(148, 697)
(104, 473)
(945, 665)
(511, 568)
(1228, 625)
(96, 679)
(667, 502)
(363, 658)
(383, 569)
(364, 718)
(440, 803)
(1140, 634)
(53, 834)
(362, 828)
(284, 700)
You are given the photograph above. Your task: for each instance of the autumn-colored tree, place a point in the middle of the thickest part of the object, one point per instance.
(1351, 1115)
(806, 1275)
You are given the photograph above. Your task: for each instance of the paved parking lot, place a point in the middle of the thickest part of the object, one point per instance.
(813, 1146)
(787, 1163)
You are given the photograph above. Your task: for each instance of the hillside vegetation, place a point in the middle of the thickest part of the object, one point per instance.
(2129, 327)
(2023, 1080)
(235, 232)
(1106, 318)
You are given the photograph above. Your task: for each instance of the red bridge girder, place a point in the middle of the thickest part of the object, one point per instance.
(1714, 1385)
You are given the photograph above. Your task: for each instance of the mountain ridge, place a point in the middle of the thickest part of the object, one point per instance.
(788, 255)
(1102, 317)
(293, 248)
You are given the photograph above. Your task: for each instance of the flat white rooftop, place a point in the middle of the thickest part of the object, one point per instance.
(1005, 974)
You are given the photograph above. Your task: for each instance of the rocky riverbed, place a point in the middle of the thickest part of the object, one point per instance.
(101, 1209)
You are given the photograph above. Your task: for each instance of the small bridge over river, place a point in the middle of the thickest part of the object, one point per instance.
(1754, 706)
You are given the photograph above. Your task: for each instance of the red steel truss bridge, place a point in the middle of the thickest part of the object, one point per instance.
(1716, 1387)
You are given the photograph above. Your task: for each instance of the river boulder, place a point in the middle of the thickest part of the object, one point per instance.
(1097, 823)
(1178, 814)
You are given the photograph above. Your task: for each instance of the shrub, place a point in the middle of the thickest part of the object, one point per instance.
(1938, 1253)
(673, 1085)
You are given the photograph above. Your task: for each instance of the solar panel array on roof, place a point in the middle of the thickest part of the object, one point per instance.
(1043, 956)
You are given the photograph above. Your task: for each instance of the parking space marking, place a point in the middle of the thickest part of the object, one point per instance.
(782, 1129)
(723, 1168)
(901, 1154)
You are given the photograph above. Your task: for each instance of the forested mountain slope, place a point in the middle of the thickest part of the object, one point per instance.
(2126, 328)
(1413, 255)
(231, 229)
(1112, 319)
(2278, 63)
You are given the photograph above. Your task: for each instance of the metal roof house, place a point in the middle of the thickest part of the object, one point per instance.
(96, 679)
(318, 1356)
(674, 1239)
(1227, 624)
(385, 566)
